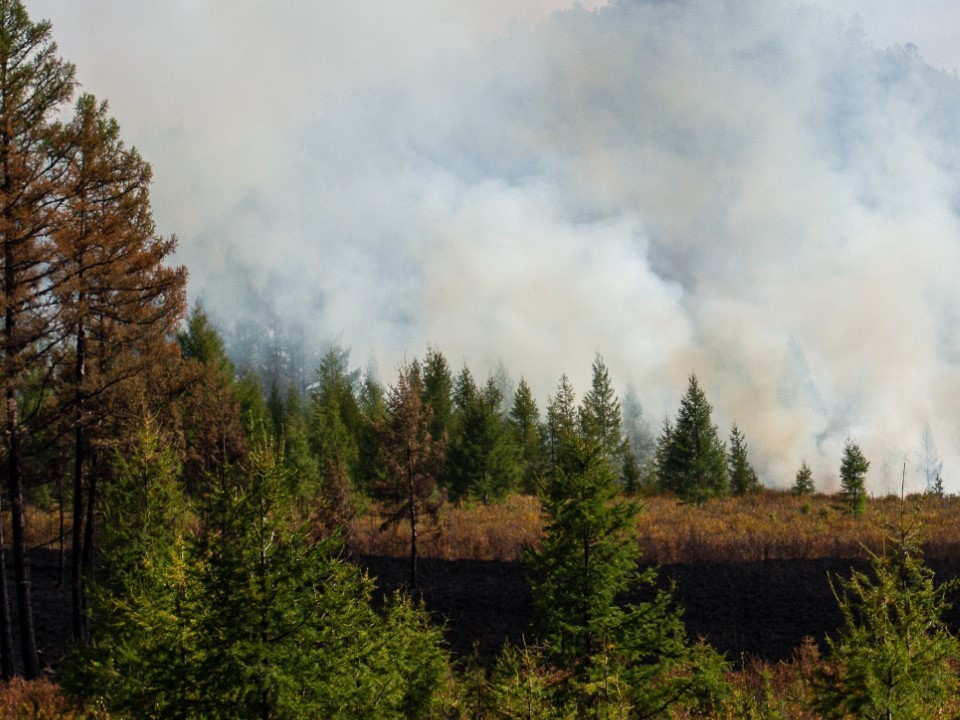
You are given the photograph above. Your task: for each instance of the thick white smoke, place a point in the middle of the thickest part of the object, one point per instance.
(748, 190)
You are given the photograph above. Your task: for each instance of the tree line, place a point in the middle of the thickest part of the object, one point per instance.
(204, 518)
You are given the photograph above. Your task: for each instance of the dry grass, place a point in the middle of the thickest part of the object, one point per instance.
(37, 700)
(461, 532)
(772, 526)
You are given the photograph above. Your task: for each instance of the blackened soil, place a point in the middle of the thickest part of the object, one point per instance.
(762, 609)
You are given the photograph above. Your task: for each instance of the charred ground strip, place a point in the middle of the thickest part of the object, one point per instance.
(747, 609)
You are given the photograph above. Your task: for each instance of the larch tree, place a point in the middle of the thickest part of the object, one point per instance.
(693, 463)
(213, 431)
(118, 301)
(34, 84)
(413, 458)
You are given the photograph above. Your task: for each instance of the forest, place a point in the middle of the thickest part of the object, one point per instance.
(212, 532)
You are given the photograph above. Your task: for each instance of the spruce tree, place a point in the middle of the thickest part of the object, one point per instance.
(438, 392)
(334, 428)
(803, 483)
(237, 612)
(693, 461)
(632, 658)
(483, 460)
(561, 427)
(601, 420)
(525, 420)
(894, 655)
(743, 479)
(853, 474)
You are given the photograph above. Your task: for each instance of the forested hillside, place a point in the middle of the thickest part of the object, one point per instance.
(208, 523)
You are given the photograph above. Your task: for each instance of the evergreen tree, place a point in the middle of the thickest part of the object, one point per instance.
(853, 474)
(247, 616)
(743, 479)
(803, 483)
(693, 463)
(633, 658)
(438, 392)
(600, 416)
(894, 655)
(562, 428)
(301, 462)
(373, 417)
(483, 461)
(525, 420)
(334, 429)
(145, 600)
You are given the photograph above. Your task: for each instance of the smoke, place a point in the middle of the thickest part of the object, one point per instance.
(749, 190)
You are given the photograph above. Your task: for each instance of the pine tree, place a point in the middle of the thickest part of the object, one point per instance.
(145, 599)
(119, 304)
(693, 461)
(853, 474)
(743, 479)
(803, 483)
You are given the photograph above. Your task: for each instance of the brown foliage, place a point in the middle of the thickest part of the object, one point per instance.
(36, 700)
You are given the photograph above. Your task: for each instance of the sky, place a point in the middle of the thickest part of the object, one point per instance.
(761, 192)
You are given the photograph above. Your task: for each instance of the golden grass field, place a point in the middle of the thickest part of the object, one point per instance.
(771, 526)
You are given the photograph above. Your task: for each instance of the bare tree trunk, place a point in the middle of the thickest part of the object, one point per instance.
(76, 549)
(413, 519)
(7, 667)
(61, 545)
(21, 557)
